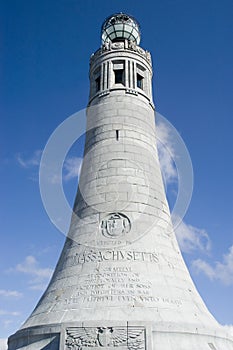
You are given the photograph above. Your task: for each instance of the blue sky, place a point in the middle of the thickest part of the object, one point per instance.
(45, 53)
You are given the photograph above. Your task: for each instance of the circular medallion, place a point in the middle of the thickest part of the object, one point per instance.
(115, 225)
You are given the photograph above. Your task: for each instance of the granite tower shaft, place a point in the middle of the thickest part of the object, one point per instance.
(121, 281)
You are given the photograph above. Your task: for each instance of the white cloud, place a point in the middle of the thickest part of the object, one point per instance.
(30, 266)
(36, 286)
(9, 313)
(7, 323)
(34, 160)
(10, 293)
(191, 238)
(72, 167)
(166, 153)
(3, 344)
(200, 265)
(219, 271)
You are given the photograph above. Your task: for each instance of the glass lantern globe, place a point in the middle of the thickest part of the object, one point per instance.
(120, 26)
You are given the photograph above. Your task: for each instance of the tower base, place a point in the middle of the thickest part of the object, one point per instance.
(120, 335)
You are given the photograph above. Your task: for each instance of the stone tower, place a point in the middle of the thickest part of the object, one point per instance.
(121, 281)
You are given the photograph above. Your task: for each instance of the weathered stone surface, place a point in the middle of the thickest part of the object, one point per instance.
(121, 281)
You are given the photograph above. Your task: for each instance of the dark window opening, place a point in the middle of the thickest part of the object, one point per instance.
(97, 84)
(119, 76)
(117, 135)
(139, 81)
(116, 40)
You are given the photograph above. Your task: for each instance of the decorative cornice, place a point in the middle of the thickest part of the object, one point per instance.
(121, 45)
(127, 91)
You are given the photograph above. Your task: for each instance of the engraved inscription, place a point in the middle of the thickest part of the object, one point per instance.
(91, 255)
(116, 284)
(128, 338)
(112, 284)
(115, 225)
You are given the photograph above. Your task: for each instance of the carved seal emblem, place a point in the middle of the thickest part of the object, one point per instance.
(115, 225)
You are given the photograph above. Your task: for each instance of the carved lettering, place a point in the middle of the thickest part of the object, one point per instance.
(89, 256)
(116, 284)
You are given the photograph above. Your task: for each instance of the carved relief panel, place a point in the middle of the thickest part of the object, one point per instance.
(124, 338)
